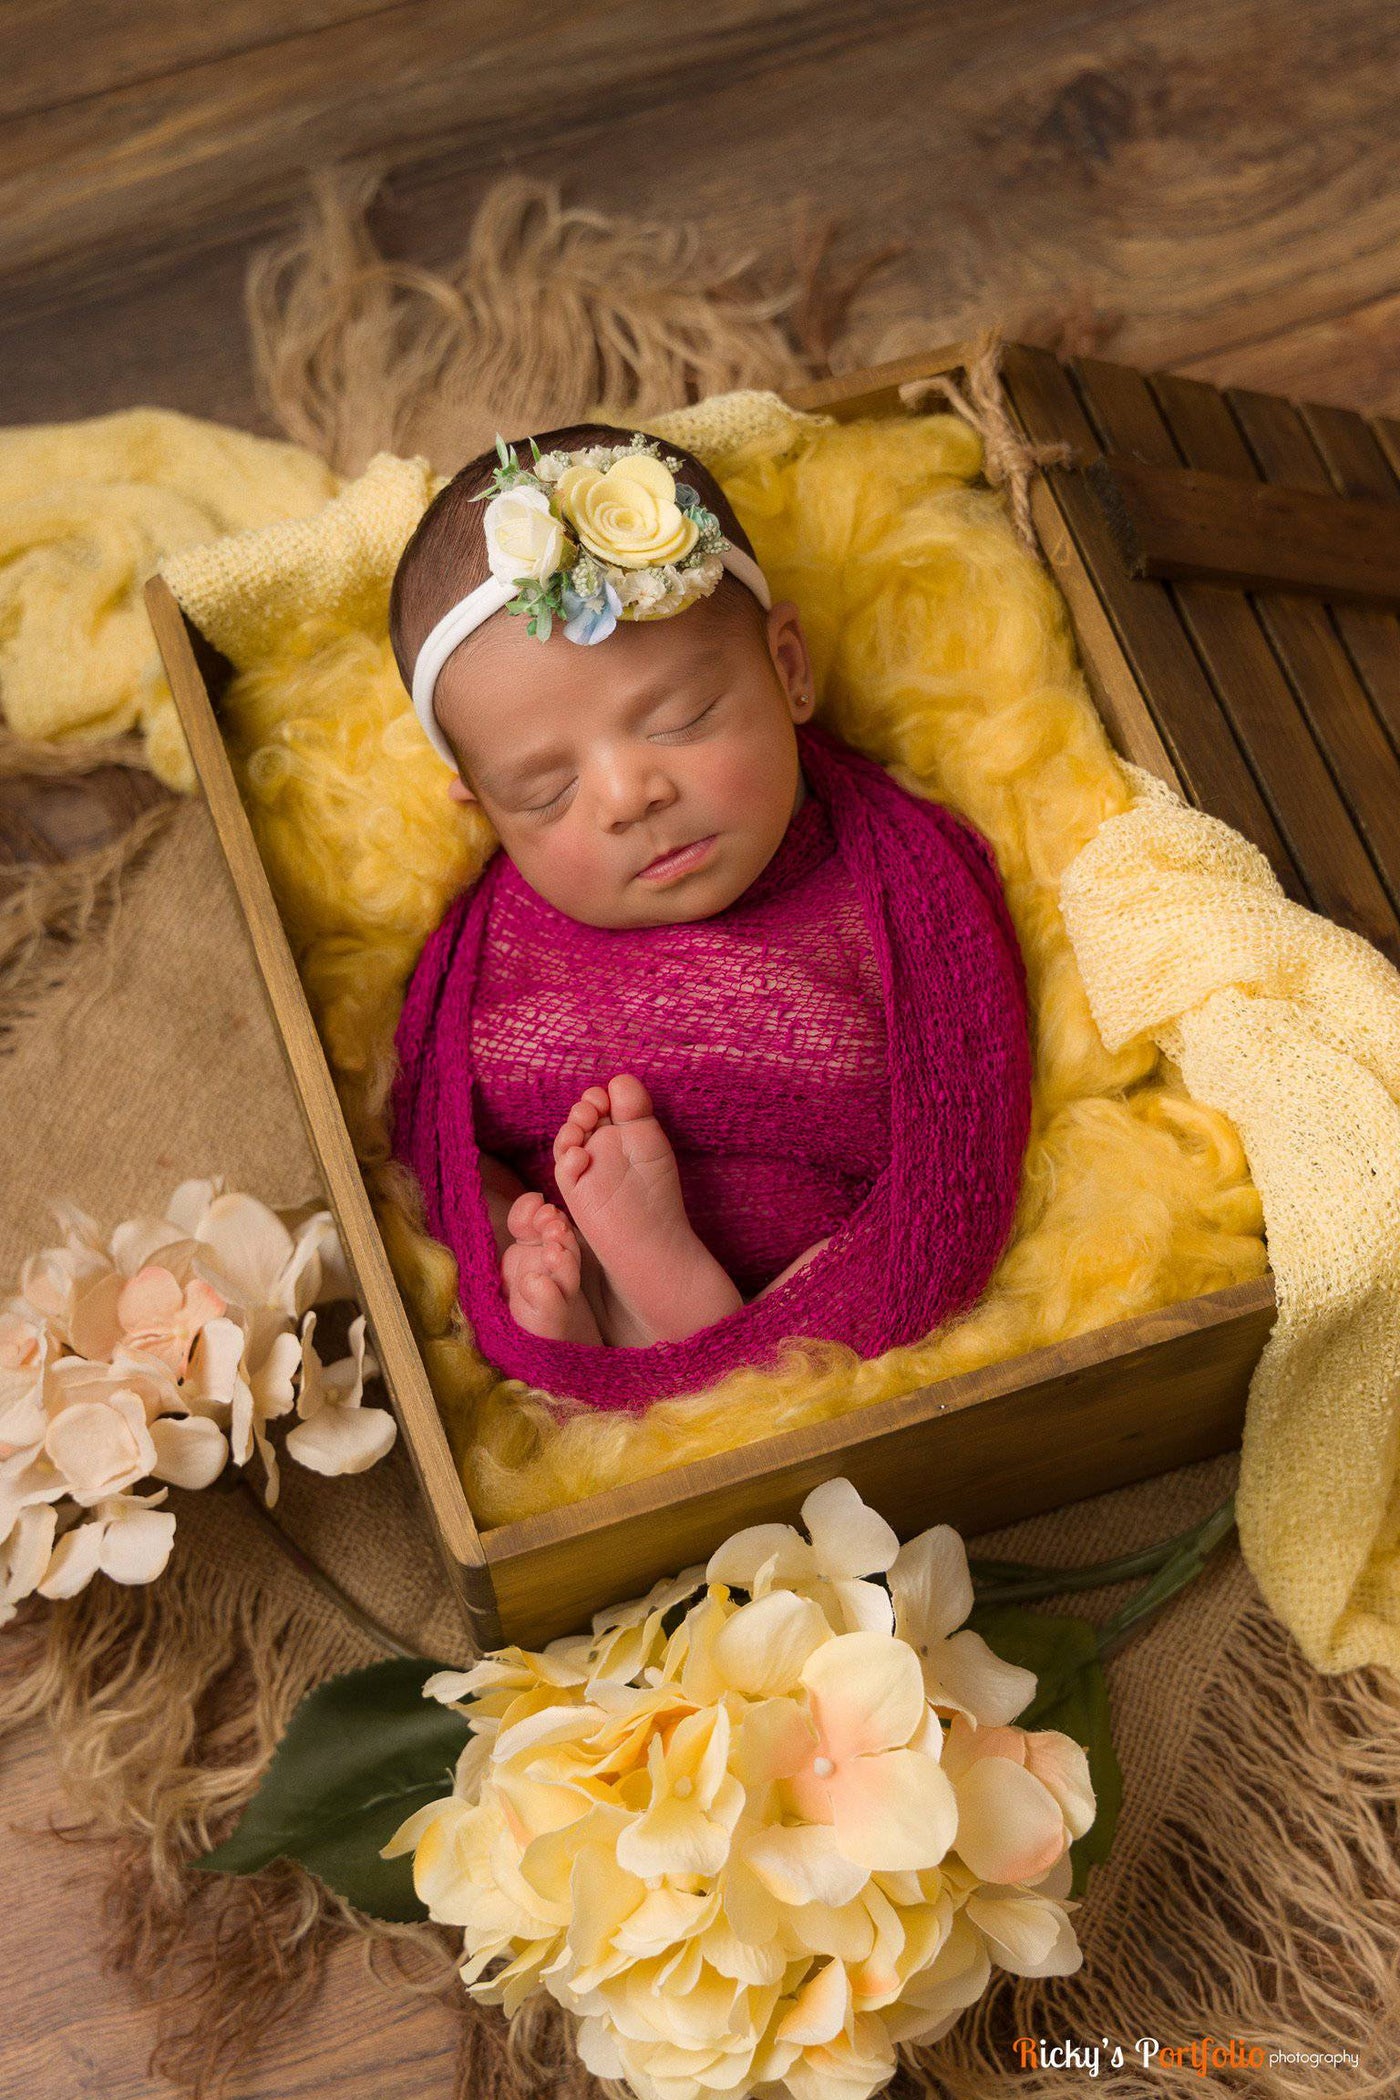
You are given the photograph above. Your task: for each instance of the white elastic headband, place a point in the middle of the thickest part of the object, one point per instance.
(489, 597)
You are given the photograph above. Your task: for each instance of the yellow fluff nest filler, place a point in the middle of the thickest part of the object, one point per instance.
(941, 648)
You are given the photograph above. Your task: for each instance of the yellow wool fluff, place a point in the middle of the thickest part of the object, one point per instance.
(942, 649)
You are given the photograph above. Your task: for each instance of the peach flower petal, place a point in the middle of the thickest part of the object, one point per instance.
(867, 1694)
(894, 1810)
(762, 1649)
(1010, 1826)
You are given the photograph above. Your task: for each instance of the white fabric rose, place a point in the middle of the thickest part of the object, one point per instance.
(525, 542)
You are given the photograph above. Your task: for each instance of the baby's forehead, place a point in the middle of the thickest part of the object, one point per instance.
(505, 682)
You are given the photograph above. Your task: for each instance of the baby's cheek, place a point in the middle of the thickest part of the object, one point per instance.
(746, 782)
(564, 863)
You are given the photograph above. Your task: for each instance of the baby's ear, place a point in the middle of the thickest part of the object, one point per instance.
(787, 645)
(458, 791)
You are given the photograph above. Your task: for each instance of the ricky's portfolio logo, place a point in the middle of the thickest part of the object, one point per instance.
(1203, 2053)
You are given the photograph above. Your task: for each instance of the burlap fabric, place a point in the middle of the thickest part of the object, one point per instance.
(1254, 1889)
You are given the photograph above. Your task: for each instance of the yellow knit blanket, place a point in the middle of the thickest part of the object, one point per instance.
(1291, 1026)
(1281, 1022)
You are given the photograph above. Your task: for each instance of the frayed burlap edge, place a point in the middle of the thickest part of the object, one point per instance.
(48, 908)
(550, 313)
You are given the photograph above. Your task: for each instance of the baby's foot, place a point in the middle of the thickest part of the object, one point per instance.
(542, 1273)
(617, 1173)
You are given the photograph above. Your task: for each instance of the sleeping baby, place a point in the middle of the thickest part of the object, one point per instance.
(727, 1047)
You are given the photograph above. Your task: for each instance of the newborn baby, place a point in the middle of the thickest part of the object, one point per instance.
(592, 648)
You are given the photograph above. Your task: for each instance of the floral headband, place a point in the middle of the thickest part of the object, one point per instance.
(587, 538)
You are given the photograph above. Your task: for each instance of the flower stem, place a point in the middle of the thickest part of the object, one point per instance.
(316, 1575)
(1019, 1582)
(1193, 1551)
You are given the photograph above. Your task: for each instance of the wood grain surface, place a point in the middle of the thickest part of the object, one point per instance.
(73, 2033)
(1209, 185)
(1203, 184)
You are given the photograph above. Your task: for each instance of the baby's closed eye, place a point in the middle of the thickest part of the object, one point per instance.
(672, 732)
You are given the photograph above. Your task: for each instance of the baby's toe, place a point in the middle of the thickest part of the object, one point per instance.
(628, 1099)
(524, 1215)
(561, 1261)
(584, 1118)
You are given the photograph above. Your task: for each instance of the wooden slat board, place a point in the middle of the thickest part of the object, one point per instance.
(1175, 521)
(1303, 693)
(1205, 756)
(1249, 684)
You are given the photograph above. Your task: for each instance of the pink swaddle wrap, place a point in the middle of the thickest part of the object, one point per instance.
(843, 1051)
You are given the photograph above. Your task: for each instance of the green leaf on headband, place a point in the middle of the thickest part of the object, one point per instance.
(1071, 1695)
(541, 603)
(360, 1754)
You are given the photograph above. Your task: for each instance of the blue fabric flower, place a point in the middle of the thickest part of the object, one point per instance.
(592, 619)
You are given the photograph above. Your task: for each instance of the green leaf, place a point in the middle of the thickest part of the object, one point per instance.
(1071, 1695)
(361, 1753)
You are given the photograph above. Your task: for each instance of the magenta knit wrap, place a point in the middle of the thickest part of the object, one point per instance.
(843, 1052)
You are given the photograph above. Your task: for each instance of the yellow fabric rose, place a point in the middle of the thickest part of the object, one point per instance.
(629, 515)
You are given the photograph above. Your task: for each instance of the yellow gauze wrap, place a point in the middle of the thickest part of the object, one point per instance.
(942, 649)
(86, 511)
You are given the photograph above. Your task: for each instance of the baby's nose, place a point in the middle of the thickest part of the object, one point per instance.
(633, 794)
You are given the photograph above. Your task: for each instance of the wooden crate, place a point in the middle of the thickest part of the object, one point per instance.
(1230, 566)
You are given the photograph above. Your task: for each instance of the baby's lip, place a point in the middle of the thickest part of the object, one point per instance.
(678, 861)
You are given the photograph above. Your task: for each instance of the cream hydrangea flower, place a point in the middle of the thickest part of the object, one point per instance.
(932, 1592)
(146, 1358)
(336, 1433)
(846, 1541)
(128, 1537)
(732, 1833)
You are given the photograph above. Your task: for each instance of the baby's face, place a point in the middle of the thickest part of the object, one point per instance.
(643, 781)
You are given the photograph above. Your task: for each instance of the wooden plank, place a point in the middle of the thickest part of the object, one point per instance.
(1311, 650)
(57, 51)
(74, 2030)
(1257, 696)
(222, 148)
(1350, 451)
(1387, 434)
(1126, 1401)
(1207, 760)
(1174, 521)
(1352, 455)
(879, 392)
(393, 1338)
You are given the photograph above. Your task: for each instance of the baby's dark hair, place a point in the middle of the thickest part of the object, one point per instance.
(446, 556)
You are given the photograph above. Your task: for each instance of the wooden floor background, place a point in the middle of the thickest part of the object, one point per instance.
(1207, 185)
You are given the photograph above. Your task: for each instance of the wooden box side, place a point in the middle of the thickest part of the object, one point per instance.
(1139, 1397)
(1127, 1401)
(399, 1356)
